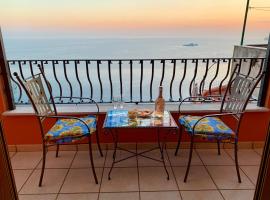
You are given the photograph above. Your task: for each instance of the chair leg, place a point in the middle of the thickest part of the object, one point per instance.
(57, 150)
(98, 143)
(190, 157)
(179, 141)
(218, 145)
(44, 148)
(91, 159)
(236, 161)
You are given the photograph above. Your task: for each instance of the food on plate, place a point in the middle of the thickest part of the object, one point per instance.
(158, 115)
(145, 113)
(132, 114)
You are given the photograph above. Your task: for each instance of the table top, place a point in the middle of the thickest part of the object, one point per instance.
(119, 119)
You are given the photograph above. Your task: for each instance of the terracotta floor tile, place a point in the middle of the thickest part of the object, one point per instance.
(238, 194)
(198, 178)
(82, 159)
(62, 161)
(226, 178)
(252, 172)
(155, 179)
(122, 180)
(37, 196)
(21, 176)
(85, 196)
(132, 162)
(259, 150)
(182, 157)
(211, 157)
(170, 195)
(81, 180)
(25, 160)
(246, 156)
(202, 195)
(11, 154)
(52, 181)
(119, 196)
(153, 154)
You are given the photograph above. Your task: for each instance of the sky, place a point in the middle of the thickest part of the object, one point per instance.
(132, 17)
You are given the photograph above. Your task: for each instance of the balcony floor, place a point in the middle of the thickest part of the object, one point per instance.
(69, 176)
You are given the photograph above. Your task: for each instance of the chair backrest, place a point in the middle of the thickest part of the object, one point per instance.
(238, 92)
(34, 89)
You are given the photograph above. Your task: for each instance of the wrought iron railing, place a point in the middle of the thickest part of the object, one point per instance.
(134, 80)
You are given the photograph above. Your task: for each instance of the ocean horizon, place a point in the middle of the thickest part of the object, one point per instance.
(121, 48)
(117, 48)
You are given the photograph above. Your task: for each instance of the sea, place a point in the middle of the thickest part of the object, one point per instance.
(117, 48)
(50, 48)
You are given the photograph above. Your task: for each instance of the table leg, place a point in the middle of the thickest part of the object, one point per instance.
(115, 141)
(161, 146)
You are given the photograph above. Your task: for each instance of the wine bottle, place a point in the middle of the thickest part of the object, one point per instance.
(160, 102)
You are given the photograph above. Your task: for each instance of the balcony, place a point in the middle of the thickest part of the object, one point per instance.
(135, 81)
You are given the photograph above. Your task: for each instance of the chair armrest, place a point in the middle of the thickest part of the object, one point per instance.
(81, 98)
(209, 98)
(214, 115)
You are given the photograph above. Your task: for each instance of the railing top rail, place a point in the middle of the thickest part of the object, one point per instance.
(134, 80)
(134, 59)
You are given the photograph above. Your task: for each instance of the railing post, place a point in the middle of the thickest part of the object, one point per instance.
(6, 89)
(264, 94)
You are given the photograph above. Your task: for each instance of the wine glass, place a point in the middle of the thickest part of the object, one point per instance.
(121, 102)
(115, 101)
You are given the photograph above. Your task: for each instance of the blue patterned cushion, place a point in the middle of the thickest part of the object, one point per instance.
(209, 127)
(70, 130)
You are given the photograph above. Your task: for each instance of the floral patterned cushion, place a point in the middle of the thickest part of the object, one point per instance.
(209, 127)
(70, 130)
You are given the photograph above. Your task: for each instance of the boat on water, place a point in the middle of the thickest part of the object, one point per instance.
(190, 44)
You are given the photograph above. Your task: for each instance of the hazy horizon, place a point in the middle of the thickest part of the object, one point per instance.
(132, 19)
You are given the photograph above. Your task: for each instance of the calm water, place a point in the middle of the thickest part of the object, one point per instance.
(98, 48)
(69, 48)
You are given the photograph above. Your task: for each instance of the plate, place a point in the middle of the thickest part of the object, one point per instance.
(144, 113)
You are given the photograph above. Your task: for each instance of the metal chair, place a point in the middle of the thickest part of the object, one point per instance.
(211, 127)
(67, 129)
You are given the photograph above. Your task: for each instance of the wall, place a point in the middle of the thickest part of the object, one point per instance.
(25, 130)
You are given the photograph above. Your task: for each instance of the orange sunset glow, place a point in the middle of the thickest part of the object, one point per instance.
(139, 14)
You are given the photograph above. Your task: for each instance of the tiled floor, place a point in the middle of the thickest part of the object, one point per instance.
(69, 176)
